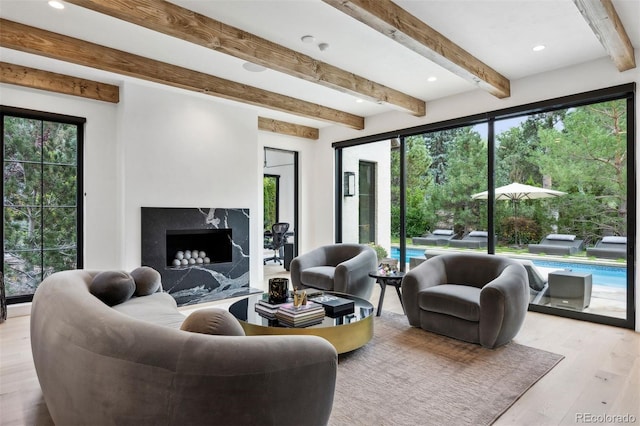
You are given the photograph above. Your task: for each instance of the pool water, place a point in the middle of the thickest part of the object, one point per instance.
(608, 276)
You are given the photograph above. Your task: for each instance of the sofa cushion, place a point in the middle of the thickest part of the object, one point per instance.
(614, 240)
(460, 301)
(484, 234)
(318, 277)
(561, 237)
(147, 280)
(213, 321)
(112, 287)
(157, 308)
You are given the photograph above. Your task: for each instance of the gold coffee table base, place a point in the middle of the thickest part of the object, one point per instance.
(344, 338)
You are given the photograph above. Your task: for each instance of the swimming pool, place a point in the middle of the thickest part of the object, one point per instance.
(608, 276)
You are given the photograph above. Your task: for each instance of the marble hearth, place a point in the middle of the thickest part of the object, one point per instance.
(201, 253)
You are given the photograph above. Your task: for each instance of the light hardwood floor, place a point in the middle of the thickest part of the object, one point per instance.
(600, 375)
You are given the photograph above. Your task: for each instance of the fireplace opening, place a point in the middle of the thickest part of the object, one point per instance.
(195, 247)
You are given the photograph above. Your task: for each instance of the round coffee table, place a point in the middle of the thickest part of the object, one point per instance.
(345, 333)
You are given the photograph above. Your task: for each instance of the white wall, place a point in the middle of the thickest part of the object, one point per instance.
(380, 154)
(181, 150)
(568, 81)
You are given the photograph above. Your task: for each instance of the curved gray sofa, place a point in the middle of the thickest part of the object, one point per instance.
(132, 365)
(343, 268)
(478, 298)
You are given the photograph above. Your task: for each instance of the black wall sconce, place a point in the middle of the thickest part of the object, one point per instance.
(349, 184)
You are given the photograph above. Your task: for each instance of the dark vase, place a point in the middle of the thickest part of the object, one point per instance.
(278, 290)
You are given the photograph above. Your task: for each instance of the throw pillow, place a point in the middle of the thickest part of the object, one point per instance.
(561, 237)
(478, 234)
(614, 240)
(147, 280)
(112, 287)
(213, 321)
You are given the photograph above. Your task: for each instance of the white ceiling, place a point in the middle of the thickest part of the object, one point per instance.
(501, 33)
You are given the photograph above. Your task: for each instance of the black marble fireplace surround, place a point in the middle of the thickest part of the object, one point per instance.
(223, 234)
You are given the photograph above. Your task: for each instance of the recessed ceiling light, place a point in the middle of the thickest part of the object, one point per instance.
(308, 39)
(56, 4)
(432, 79)
(359, 100)
(539, 47)
(251, 67)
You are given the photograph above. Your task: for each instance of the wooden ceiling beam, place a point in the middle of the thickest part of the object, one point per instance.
(176, 21)
(58, 83)
(40, 42)
(396, 23)
(604, 21)
(285, 128)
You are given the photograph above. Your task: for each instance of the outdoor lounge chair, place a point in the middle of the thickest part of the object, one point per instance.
(538, 281)
(439, 237)
(609, 248)
(558, 244)
(475, 239)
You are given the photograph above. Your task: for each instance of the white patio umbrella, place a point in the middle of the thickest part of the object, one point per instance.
(515, 192)
(518, 191)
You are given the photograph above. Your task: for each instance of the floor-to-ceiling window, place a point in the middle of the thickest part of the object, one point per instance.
(568, 159)
(42, 201)
(444, 169)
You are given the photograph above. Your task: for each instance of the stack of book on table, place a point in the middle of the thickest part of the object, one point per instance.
(266, 309)
(301, 316)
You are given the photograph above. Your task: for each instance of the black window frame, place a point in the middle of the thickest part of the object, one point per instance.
(624, 91)
(57, 118)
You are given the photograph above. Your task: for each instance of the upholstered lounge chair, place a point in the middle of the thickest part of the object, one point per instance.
(558, 244)
(343, 268)
(439, 237)
(609, 248)
(478, 298)
(474, 239)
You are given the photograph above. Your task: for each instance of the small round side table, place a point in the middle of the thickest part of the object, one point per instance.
(385, 280)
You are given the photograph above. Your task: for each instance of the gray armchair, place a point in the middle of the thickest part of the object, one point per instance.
(478, 298)
(337, 267)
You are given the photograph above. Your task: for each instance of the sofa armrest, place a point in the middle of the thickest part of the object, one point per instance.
(428, 274)
(352, 275)
(503, 306)
(273, 373)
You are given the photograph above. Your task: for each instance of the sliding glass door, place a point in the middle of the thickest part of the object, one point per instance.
(549, 184)
(581, 152)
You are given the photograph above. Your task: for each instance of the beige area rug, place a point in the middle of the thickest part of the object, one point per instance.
(408, 376)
